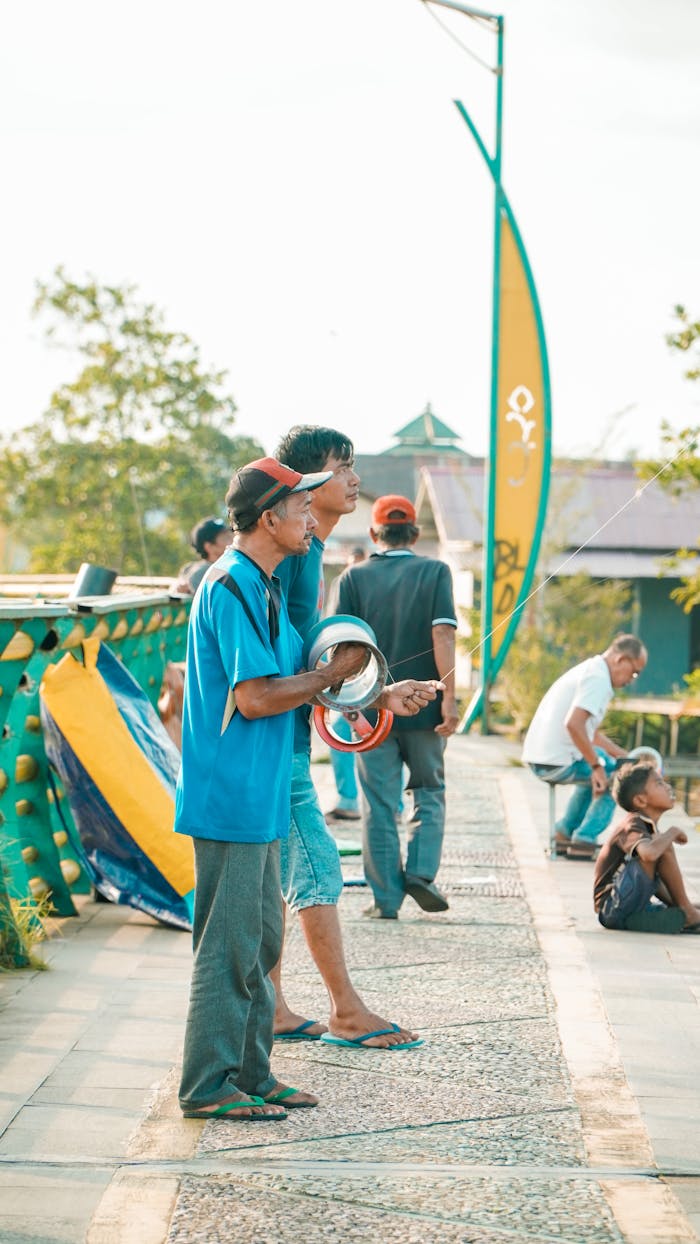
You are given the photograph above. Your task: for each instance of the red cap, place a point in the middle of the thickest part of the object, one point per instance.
(393, 511)
(261, 484)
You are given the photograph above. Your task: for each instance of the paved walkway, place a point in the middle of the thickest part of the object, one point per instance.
(555, 1096)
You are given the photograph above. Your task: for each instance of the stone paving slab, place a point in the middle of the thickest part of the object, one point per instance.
(401, 1209)
(60, 1203)
(550, 1137)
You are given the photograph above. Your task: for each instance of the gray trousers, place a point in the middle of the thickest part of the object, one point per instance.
(379, 770)
(237, 938)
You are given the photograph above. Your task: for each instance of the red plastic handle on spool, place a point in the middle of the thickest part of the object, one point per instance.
(370, 736)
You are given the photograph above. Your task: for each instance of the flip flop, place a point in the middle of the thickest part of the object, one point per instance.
(358, 1043)
(300, 1033)
(224, 1112)
(576, 852)
(691, 928)
(282, 1099)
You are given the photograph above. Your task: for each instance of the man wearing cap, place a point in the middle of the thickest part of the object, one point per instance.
(233, 794)
(408, 602)
(209, 539)
(312, 879)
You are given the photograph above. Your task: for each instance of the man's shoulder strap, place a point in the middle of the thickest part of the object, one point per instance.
(218, 575)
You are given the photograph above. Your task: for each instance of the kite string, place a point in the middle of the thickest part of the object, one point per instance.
(636, 495)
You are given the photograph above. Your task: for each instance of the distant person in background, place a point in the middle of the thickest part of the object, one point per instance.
(565, 743)
(209, 539)
(347, 807)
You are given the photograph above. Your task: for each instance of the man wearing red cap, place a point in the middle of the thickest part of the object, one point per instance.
(408, 602)
(234, 790)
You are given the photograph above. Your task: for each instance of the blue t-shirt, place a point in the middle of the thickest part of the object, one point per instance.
(234, 785)
(302, 584)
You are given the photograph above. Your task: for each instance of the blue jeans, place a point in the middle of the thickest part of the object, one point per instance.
(631, 892)
(380, 772)
(344, 768)
(585, 817)
(309, 860)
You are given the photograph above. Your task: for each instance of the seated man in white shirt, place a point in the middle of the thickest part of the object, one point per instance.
(565, 744)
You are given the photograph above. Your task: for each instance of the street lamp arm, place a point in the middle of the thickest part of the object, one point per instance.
(468, 10)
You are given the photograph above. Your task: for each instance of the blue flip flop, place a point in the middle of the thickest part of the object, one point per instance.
(358, 1043)
(300, 1033)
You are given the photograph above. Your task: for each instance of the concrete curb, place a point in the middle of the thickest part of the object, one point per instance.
(647, 1211)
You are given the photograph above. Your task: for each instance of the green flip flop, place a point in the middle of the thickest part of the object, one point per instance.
(358, 1043)
(224, 1111)
(301, 1033)
(282, 1099)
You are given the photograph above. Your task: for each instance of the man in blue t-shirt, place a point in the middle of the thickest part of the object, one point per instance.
(234, 790)
(312, 880)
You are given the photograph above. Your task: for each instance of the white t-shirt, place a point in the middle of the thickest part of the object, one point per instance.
(586, 686)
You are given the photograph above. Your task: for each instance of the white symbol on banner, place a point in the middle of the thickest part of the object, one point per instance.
(520, 403)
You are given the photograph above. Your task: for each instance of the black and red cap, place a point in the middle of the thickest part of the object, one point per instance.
(261, 484)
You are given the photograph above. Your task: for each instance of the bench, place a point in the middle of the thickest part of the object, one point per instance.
(685, 767)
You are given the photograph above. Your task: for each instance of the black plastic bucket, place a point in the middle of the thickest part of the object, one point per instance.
(92, 581)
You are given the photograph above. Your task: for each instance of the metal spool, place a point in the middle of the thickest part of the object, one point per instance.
(361, 689)
(354, 693)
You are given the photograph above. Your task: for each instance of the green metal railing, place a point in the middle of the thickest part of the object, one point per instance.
(145, 631)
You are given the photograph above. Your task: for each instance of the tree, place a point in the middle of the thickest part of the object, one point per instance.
(563, 625)
(129, 455)
(682, 463)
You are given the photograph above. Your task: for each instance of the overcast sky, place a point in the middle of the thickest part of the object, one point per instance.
(292, 184)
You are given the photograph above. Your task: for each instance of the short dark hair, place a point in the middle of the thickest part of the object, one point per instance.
(206, 532)
(250, 521)
(307, 447)
(629, 645)
(397, 535)
(629, 782)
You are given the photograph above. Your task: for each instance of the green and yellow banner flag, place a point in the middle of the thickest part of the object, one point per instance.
(520, 449)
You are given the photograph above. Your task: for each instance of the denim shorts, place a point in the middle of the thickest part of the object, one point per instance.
(634, 891)
(310, 864)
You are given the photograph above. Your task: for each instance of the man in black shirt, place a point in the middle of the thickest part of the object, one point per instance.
(408, 602)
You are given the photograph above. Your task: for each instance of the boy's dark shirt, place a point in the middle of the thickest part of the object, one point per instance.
(626, 838)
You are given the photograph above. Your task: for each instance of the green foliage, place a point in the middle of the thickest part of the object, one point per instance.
(680, 450)
(686, 338)
(471, 643)
(565, 623)
(22, 927)
(131, 453)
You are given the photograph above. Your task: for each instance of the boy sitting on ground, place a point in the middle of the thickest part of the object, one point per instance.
(638, 863)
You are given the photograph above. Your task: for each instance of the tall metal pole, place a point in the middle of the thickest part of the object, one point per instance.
(515, 502)
(487, 586)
